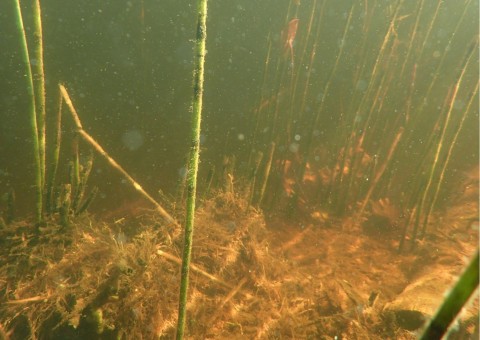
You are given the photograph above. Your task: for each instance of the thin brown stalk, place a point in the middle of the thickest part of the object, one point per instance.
(89, 139)
(440, 64)
(447, 160)
(381, 170)
(429, 30)
(266, 174)
(413, 35)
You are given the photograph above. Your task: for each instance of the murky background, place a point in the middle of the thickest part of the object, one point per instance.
(340, 139)
(128, 67)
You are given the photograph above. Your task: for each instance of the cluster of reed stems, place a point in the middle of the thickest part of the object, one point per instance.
(35, 85)
(392, 99)
(71, 198)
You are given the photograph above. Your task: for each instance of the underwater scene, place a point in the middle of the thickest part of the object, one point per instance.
(263, 169)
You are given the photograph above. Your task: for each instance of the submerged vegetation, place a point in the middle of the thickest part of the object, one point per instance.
(378, 116)
(348, 194)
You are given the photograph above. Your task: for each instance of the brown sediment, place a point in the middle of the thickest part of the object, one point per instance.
(251, 278)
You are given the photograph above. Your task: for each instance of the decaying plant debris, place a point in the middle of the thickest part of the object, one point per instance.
(249, 280)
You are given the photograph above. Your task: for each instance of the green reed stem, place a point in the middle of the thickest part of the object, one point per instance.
(39, 83)
(31, 109)
(200, 51)
(454, 302)
(55, 157)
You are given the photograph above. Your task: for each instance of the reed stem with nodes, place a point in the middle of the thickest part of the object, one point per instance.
(39, 83)
(32, 112)
(198, 77)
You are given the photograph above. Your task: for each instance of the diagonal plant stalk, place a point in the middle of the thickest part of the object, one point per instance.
(31, 109)
(438, 68)
(454, 301)
(381, 170)
(429, 30)
(446, 162)
(198, 76)
(435, 164)
(413, 35)
(89, 139)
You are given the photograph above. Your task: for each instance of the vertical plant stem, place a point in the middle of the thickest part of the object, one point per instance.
(75, 178)
(266, 174)
(31, 109)
(200, 51)
(209, 182)
(82, 184)
(56, 155)
(251, 194)
(39, 83)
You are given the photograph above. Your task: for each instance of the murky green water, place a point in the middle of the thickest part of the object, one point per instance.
(365, 101)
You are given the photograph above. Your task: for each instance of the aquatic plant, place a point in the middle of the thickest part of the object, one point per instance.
(387, 63)
(50, 185)
(198, 77)
(32, 107)
(38, 75)
(357, 136)
(90, 140)
(454, 301)
(435, 164)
